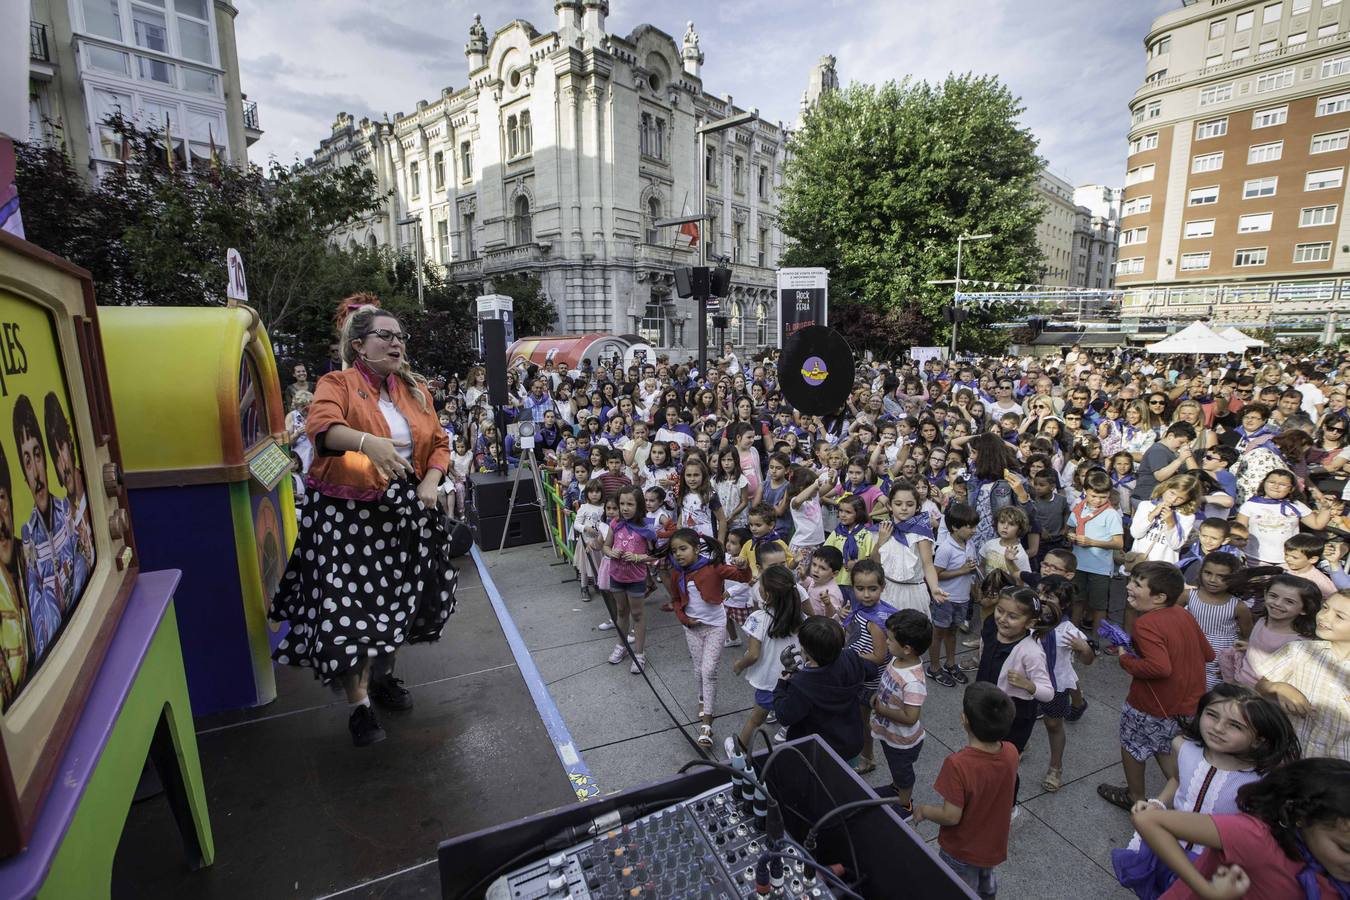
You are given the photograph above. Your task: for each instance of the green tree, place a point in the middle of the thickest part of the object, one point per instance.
(880, 182)
(155, 234)
(152, 233)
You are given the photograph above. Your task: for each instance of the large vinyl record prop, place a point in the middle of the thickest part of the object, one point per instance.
(815, 370)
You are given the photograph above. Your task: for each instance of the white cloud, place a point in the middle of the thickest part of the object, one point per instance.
(1075, 65)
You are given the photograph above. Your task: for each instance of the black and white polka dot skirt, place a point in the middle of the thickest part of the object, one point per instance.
(366, 577)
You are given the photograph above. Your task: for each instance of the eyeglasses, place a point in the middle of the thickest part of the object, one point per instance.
(388, 336)
(1333, 428)
(1157, 403)
(1214, 456)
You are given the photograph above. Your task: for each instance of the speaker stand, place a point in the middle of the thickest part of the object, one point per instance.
(527, 461)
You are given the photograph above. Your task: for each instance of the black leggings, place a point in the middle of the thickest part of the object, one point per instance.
(1020, 734)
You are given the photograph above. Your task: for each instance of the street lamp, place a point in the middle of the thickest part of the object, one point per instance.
(956, 293)
(711, 128)
(416, 222)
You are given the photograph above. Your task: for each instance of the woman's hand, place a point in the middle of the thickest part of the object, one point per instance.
(427, 490)
(383, 453)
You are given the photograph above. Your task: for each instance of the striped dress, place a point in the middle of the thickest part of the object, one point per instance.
(1219, 623)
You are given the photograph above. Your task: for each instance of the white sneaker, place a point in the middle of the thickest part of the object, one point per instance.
(732, 642)
(616, 655)
(605, 626)
(1017, 811)
(639, 663)
(771, 718)
(781, 736)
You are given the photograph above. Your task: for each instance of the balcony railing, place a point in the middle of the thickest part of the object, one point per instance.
(37, 43)
(251, 115)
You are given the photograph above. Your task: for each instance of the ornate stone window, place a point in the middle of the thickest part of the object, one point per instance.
(652, 328)
(523, 228)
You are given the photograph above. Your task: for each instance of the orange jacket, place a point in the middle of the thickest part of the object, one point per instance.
(351, 397)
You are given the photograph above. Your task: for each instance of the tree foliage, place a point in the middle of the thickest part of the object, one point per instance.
(880, 182)
(156, 234)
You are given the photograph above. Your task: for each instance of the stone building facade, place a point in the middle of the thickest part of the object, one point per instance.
(560, 155)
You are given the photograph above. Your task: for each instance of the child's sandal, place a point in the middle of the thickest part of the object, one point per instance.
(864, 765)
(705, 736)
(1053, 781)
(1115, 795)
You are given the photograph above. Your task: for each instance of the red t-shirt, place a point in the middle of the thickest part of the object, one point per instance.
(1247, 841)
(982, 784)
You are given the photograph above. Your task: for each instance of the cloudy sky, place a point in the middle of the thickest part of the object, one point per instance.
(1074, 64)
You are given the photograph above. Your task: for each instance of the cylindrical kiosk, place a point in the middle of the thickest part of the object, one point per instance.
(570, 349)
(199, 413)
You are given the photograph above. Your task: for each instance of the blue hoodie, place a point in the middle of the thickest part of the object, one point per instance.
(824, 700)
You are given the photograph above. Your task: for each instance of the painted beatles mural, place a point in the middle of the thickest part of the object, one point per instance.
(46, 543)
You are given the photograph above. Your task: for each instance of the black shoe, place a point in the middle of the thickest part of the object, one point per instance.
(1076, 712)
(940, 676)
(957, 675)
(390, 693)
(365, 728)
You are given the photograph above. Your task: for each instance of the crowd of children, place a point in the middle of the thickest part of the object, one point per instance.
(935, 532)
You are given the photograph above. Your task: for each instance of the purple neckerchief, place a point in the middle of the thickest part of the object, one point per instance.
(850, 536)
(1118, 481)
(1248, 435)
(769, 538)
(686, 572)
(1286, 508)
(877, 614)
(1307, 876)
(642, 531)
(917, 525)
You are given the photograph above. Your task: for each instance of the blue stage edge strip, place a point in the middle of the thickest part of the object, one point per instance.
(577, 773)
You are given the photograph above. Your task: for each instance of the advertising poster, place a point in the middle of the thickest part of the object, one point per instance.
(803, 300)
(46, 543)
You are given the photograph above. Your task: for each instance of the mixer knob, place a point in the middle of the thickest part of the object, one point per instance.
(557, 861)
(557, 883)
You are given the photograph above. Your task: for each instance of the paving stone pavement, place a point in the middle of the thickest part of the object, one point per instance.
(1061, 842)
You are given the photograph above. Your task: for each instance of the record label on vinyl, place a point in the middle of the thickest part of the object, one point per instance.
(816, 370)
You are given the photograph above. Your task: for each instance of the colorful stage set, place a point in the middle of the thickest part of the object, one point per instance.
(146, 516)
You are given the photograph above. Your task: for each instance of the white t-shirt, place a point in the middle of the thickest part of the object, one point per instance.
(808, 524)
(694, 514)
(1065, 676)
(1312, 396)
(729, 495)
(994, 556)
(399, 432)
(702, 611)
(763, 673)
(1269, 529)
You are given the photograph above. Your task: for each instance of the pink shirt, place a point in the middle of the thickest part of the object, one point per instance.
(1248, 842)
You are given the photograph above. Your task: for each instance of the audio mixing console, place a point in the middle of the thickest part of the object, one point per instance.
(709, 847)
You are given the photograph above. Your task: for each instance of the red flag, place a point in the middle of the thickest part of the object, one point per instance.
(689, 233)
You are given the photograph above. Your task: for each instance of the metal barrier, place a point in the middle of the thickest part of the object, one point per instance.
(559, 516)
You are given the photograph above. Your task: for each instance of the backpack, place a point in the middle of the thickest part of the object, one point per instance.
(1000, 495)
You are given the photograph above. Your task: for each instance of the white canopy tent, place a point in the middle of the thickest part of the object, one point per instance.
(1237, 336)
(1196, 337)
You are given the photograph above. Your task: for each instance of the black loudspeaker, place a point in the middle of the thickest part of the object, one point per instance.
(524, 528)
(492, 492)
(692, 281)
(494, 357)
(719, 282)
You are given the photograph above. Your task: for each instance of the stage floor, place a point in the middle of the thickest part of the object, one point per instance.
(299, 812)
